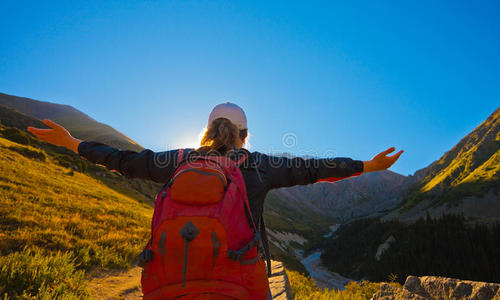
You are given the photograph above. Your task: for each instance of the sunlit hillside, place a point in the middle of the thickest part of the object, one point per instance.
(470, 168)
(16, 123)
(57, 223)
(474, 158)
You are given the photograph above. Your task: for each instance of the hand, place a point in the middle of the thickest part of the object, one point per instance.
(58, 135)
(381, 161)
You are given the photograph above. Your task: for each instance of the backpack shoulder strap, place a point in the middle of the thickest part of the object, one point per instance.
(265, 245)
(262, 226)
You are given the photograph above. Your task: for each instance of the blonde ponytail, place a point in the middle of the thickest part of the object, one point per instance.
(220, 137)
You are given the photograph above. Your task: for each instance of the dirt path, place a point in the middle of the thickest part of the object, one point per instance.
(117, 285)
(127, 284)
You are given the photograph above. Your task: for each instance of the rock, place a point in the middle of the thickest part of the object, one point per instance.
(437, 288)
(279, 283)
(450, 288)
(413, 284)
(389, 292)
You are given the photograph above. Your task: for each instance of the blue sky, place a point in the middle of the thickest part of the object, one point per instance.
(348, 78)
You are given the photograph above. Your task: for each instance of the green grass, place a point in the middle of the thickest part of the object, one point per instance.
(52, 217)
(28, 274)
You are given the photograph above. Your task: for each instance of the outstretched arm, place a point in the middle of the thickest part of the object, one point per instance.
(284, 172)
(156, 166)
(57, 135)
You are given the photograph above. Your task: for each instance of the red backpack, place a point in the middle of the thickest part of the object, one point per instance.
(202, 245)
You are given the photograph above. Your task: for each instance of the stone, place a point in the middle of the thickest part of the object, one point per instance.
(439, 288)
(389, 292)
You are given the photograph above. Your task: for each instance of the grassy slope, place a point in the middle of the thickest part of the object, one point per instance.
(45, 208)
(470, 168)
(468, 156)
(137, 188)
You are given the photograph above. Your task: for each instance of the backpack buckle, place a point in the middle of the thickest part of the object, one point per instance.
(145, 257)
(235, 255)
(238, 255)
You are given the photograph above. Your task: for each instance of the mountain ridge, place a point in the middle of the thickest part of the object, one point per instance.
(78, 123)
(466, 176)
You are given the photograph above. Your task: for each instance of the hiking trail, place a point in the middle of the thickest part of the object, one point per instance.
(127, 284)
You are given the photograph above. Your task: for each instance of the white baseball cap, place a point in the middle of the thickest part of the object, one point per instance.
(230, 111)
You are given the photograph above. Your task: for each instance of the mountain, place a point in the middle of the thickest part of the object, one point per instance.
(350, 198)
(300, 218)
(79, 124)
(447, 223)
(15, 124)
(465, 180)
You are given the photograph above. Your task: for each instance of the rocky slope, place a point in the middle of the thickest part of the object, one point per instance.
(365, 195)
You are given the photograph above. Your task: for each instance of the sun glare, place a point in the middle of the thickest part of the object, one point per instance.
(201, 134)
(191, 142)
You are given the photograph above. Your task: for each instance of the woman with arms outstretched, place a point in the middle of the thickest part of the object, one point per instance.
(207, 229)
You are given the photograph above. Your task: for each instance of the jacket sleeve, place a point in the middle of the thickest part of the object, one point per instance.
(285, 172)
(156, 166)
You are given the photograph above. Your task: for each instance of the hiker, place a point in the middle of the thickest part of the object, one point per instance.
(207, 230)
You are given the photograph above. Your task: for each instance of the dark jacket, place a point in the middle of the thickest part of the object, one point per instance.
(261, 172)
